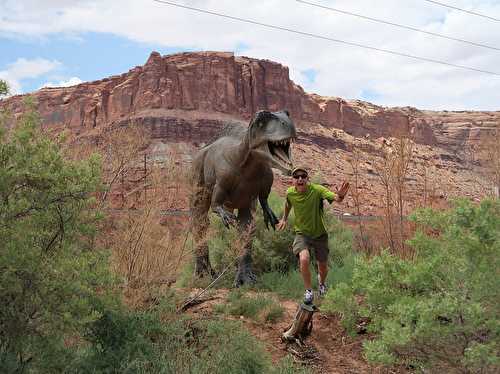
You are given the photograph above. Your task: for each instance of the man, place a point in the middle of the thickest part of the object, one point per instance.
(310, 233)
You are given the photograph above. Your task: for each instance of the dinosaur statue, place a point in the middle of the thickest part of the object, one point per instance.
(232, 173)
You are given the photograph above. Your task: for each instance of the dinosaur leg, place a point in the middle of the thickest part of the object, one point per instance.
(244, 274)
(200, 222)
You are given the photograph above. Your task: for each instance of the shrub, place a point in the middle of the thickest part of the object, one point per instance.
(270, 248)
(439, 310)
(258, 307)
(124, 341)
(48, 275)
(229, 348)
(288, 285)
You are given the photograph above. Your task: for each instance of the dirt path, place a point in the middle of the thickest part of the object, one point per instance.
(329, 349)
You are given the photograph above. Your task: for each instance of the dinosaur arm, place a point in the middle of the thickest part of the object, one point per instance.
(219, 196)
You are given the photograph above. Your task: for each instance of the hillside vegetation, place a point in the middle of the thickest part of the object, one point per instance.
(83, 291)
(62, 310)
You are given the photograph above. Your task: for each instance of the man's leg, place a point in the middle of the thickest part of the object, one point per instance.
(300, 249)
(304, 260)
(323, 271)
(321, 251)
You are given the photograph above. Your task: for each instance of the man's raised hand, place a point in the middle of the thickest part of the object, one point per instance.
(342, 191)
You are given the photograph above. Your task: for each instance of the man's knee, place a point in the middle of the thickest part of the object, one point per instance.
(304, 257)
(323, 265)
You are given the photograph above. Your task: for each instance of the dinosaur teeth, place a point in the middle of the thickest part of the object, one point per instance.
(283, 142)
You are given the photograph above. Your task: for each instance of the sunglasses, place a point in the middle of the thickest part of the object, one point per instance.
(297, 176)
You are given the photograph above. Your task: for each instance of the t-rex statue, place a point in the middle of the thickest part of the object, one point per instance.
(232, 173)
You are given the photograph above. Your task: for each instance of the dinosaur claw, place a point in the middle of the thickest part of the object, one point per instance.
(228, 219)
(270, 218)
(203, 267)
(246, 277)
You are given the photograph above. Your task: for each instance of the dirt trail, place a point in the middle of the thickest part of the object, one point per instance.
(329, 349)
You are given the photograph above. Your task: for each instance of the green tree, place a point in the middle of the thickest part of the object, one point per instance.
(4, 88)
(48, 276)
(439, 310)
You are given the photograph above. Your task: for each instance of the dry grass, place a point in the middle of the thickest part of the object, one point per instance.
(393, 170)
(146, 252)
(148, 245)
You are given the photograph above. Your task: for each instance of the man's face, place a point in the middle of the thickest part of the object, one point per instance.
(300, 180)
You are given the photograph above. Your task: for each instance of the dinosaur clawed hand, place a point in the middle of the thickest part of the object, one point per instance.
(270, 218)
(228, 218)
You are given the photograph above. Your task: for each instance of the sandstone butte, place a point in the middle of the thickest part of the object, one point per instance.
(184, 99)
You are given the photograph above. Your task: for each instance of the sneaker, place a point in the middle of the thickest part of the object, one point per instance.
(308, 297)
(322, 289)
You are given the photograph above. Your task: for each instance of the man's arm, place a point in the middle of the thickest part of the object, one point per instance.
(284, 219)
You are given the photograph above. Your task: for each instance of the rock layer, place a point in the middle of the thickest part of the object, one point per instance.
(218, 82)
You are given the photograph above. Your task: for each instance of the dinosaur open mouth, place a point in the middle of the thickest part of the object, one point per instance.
(280, 150)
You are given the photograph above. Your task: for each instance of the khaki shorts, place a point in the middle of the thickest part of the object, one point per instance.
(320, 246)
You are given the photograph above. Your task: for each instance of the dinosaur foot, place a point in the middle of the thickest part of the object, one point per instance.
(203, 268)
(244, 276)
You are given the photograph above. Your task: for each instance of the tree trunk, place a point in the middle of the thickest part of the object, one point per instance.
(302, 324)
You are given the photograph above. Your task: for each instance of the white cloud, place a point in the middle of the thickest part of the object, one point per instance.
(73, 81)
(342, 70)
(25, 69)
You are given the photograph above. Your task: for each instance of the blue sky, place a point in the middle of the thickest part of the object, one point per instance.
(64, 42)
(88, 56)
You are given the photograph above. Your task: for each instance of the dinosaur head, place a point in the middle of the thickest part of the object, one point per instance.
(270, 135)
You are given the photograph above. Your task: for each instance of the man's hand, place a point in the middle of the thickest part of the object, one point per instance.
(342, 191)
(282, 224)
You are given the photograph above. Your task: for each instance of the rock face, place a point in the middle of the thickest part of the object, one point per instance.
(216, 82)
(184, 99)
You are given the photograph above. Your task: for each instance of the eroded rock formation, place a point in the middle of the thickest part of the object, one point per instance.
(214, 82)
(186, 98)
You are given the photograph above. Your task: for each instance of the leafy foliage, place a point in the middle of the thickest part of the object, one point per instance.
(288, 285)
(4, 88)
(58, 311)
(158, 341)
(48, 276)
(439, 310)
(270, 248)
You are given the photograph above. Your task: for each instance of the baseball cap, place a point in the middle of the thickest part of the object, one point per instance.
(299, 168)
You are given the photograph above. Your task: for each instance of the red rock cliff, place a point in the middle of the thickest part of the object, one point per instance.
(214, 82)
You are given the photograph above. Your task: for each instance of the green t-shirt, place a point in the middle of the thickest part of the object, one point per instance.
(306, 206)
